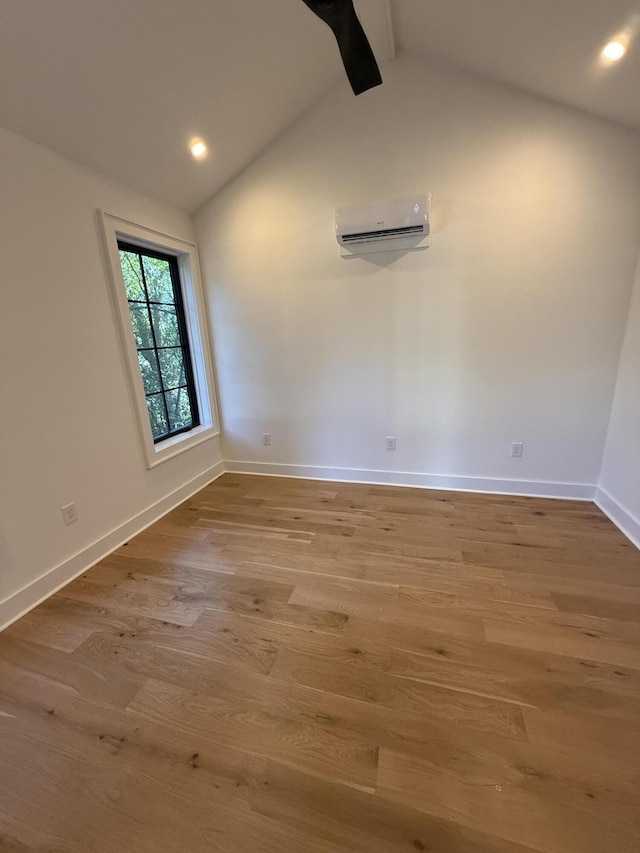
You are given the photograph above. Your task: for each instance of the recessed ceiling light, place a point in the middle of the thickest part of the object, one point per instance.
(614, 50)
(198, 149)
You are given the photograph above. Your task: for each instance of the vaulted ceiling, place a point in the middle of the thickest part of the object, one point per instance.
(550, 47)
(122, 85)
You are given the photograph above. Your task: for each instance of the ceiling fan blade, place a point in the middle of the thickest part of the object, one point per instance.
(359, 61)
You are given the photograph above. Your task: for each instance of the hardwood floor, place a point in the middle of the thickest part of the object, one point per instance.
(285, 665)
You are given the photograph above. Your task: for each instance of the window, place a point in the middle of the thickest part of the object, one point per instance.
(157, 292)
(152, 282)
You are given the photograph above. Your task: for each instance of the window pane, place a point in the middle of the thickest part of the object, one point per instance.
(172, 367)
(159, 327)
(148, 362)
(165, 325)
(179, 408)
(158, 277)
(141, 325)
(157, 415)
(132, 275)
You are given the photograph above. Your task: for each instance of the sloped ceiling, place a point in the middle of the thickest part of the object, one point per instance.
(549, 47)
(122, 85)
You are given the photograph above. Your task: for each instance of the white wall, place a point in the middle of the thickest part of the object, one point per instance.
(619, 492)
(67, 424)
(507, 329)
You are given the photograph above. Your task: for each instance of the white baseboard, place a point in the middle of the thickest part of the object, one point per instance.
(524, 488)
(622, 519)
(34, 593)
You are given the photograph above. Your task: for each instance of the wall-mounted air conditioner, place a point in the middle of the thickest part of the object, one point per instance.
(384, 226)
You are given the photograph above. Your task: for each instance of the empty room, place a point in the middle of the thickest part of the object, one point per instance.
(320, 426)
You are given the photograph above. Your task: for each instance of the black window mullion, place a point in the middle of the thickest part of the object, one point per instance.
(151, 302)
(168, 390)
(161, 348)
(155, 342)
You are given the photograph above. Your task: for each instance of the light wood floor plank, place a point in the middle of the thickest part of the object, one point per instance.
(286, 665)
(519, 804)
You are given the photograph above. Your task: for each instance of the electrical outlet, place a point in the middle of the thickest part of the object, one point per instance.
(69, 513)
(391, 442)
(266, 439)
(517, 449)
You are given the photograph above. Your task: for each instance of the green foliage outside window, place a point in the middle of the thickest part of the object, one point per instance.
(159, 332)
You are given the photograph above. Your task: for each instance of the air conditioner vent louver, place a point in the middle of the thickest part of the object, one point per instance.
(385, 234)
(384, 226)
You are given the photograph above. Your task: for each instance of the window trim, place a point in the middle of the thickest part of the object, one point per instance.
(115, 229)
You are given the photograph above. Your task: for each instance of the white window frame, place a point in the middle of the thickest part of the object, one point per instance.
(187, 255)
